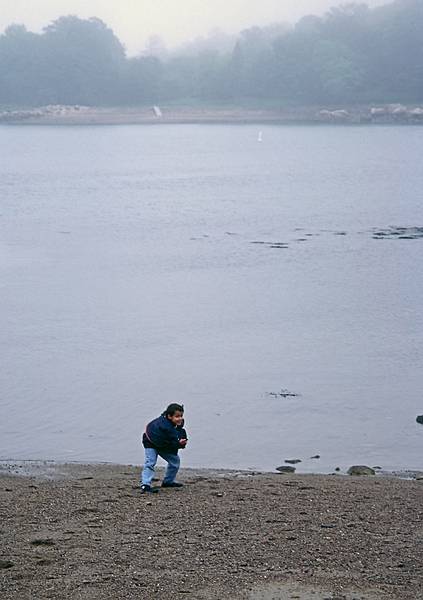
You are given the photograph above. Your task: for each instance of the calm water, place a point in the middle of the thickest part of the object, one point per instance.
(129, 280)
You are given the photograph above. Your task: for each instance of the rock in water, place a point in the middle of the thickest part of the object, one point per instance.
(420, 419)
(292, 461)
(285, 469)
(361, 470)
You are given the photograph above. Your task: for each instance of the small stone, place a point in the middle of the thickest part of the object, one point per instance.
(42, 542)
(285, 469)
(44, 562)
(359, 470)
(337, 469)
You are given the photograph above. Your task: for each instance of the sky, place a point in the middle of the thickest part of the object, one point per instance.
(175, 21)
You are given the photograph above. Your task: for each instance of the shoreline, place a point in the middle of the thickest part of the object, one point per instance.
(85, 531)
(56, 469)
(186, 115)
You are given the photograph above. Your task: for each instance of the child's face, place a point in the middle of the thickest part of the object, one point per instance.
(177, 418)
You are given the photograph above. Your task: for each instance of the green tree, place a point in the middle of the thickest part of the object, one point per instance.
(83, 62)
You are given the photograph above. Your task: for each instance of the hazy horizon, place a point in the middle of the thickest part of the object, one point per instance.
(135, 21)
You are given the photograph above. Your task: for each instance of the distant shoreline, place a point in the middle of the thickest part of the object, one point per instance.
(78, 115)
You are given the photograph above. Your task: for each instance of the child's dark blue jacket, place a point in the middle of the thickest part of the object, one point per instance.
(163, 436)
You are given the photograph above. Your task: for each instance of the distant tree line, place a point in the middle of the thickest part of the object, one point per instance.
(351, 55)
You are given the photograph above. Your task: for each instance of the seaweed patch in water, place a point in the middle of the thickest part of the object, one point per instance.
(284, 394)
(398, 233)
(278, 245)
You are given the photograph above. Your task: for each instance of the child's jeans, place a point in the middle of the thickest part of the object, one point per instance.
(151, 455)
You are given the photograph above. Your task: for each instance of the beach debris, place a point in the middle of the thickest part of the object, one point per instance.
(285, 469)
(284, 394)
(419, 419)
(360, 470)
(293, 461)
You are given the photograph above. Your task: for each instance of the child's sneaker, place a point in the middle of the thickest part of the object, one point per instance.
(147, 489)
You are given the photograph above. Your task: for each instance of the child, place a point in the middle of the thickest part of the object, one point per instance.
(163, 437)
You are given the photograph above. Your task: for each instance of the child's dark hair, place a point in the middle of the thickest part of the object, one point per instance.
(172, 409)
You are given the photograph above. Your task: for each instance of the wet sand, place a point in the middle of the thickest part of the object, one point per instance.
(85, 531)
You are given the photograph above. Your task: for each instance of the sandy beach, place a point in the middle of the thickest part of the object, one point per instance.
(85, 531)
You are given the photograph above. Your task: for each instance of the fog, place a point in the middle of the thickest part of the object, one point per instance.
(352, 54)
(135, 21)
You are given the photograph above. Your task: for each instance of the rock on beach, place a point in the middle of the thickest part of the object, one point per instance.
(361, 470)
(285, 469)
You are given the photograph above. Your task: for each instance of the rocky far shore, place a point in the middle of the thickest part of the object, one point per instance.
(85, 531)
(86, 115)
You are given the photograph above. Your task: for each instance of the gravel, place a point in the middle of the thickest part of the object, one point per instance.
(85, 531)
